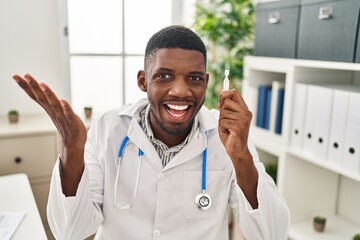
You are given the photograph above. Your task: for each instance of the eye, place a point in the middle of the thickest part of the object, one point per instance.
(196, 78)
(164, 76)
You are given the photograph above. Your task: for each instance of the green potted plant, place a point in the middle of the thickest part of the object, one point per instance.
(226, 27)
(88, 112)
(271, 169)
(356, 236)
(13, 116)
(319, 223)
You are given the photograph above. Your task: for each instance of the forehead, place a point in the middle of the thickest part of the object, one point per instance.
(167, 57)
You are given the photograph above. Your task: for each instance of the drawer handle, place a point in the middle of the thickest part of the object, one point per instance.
(325, 13)
(274, 18)
(18, 160)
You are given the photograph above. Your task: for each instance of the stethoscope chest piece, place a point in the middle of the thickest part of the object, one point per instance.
(203, 201)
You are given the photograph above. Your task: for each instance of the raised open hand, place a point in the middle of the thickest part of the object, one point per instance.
(71, 128)
(69, 125)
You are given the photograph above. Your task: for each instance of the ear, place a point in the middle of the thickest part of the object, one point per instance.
(141, 81)
(207, 79)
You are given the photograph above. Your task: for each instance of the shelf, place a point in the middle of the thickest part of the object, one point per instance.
(266, 140)
(280, 64)
(30, 124)
(336, 228)
(324, 164)
(309, 184)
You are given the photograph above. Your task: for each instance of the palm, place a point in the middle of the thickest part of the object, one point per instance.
(69, 125)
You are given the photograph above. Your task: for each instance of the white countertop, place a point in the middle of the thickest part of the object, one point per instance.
(30, 124)
(16, 195)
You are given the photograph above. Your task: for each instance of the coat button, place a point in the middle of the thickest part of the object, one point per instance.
(156, 233)
(161, 176)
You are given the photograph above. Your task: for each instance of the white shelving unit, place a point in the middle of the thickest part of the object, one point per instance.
(30, 146)
(310, 185)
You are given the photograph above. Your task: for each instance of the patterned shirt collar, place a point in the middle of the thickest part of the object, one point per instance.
(165, 153)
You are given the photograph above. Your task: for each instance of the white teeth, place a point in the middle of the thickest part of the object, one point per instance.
(178, 107)
(177, 115)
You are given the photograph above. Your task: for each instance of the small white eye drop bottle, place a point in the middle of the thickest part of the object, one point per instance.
(226, 82)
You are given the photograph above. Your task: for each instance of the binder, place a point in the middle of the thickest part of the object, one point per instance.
(279, 110)
(267, 107)
(351, 156)
(298, 119)
(263, 95)
(317, 120)
(276, 86)
(338, 126)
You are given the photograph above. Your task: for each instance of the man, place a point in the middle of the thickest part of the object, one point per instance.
(181, 165)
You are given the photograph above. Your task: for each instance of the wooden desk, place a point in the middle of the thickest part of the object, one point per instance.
(16, 195)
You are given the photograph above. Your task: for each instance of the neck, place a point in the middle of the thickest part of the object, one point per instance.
(170, 140)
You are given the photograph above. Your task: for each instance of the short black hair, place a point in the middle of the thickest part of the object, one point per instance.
(174, 36)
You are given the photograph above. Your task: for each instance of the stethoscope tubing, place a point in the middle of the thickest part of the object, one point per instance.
(140, 154)
(203, 175)
(120, 154)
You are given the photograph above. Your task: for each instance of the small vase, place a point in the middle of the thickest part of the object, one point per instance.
(13, 118)
(88, 112)
(319, 227)
(319, 224)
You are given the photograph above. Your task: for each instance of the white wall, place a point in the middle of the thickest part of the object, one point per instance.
(32, 41)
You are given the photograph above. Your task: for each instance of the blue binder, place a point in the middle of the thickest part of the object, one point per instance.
(267, 108)
(263, 106)
(279, 111)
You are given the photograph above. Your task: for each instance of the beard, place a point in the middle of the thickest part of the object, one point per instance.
(178, 131)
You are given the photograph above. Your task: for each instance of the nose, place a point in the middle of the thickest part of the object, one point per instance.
(180, 88)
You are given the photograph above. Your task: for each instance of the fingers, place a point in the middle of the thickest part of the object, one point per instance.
(234, 126)
(234, 113)
(68, 112)
(70, 127)
(233, 106)
(31, 87)
(232, 95)
(40, 93)
(37, 91)
(51, 100)
(25, 86)
(44, 96)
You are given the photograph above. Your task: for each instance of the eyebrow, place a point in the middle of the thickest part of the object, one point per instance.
(171, 70)
(165, 69)
(198, 73)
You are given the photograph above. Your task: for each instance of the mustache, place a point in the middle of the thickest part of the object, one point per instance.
(177, 99)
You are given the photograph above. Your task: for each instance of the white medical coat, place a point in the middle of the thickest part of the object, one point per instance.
(164, 206)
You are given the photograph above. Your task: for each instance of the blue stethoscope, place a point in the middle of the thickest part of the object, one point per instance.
(202, 200)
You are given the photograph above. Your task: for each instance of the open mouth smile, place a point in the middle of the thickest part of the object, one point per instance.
(177, 110)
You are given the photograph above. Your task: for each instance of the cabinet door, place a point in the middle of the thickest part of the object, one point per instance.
(33, 155)
(41, 192)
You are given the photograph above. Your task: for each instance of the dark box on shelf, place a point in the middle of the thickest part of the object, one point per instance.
(357, 55)
(328, 30)
(276, 28)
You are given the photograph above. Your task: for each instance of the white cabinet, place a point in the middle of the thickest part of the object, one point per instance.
(31, 147)
(311, 185)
